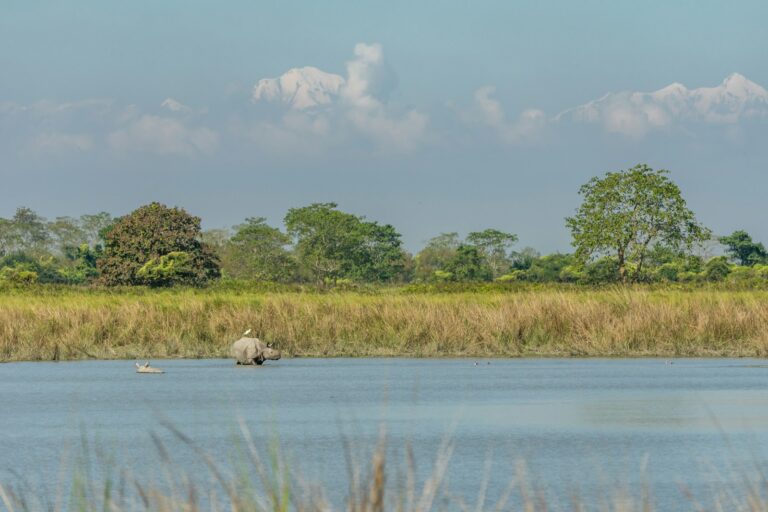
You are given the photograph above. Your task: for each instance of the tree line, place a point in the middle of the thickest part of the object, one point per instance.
(632, 226)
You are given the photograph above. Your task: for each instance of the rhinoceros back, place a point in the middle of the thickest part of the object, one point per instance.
(245, 350)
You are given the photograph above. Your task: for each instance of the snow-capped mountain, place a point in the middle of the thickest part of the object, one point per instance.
(635, 113)
(300, 88)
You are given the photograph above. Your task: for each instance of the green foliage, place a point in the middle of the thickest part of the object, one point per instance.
(216, 239)
(258, 252)
(717, 269)
(549, 268)
(668, 272)
(435, 255)
(573, 273)
(149, 233)
(332, 245)
(523, 259)
(45, 267)
(66, 234)
(468, 264)
(379, 256)
(604, 270)
(62, 251)
(743, 250)
(26, 232)
(21, 274)
(95, 227)
(82, 264)
(166, 270)
(626, 212)
(324, 238)
(632, 225)
(512, 276)
(494, 246)
(485, 255)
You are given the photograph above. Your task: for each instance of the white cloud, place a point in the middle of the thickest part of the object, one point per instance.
(50, 128)
(57, 143)
(489, 111)
(163, 136)
(175, 106)
(345, 107)
(401, 133)
(369, 79)
(633, 114)
(636, 113)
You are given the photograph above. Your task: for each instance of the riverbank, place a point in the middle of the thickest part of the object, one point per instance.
(80, 324)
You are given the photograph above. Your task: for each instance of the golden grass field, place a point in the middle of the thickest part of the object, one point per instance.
(85, 323)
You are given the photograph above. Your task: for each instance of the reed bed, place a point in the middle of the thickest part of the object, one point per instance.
(564, 323)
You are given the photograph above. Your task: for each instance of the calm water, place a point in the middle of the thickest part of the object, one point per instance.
(581, 425)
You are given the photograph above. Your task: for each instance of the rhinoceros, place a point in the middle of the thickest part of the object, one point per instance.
(253, 351)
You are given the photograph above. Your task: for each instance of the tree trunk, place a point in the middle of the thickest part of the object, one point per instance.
(622, 267)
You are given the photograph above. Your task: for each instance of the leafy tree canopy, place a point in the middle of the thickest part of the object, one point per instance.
(147, 234)
(331, 244)
(436, 254)
(741, 248)
(468, 264)
(259, 252)
(26, 232)
(495, 248)
(626, 212)
(549, 268)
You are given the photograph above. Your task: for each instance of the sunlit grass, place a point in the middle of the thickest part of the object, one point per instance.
(76, 324)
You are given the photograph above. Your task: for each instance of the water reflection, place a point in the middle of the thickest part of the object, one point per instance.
(576, 422)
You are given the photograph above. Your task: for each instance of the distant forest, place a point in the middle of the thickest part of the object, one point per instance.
(632, 226)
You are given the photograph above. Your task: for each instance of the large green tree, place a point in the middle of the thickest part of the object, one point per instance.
(741, 248)
(95, 226)
(67, 235)
(494, 246)
(258, 251)
(7, 237)
(145, 238)
(378, 256)
(435, 255)
(625, 213)
(26, 232)
(331, 244)
(468, 264)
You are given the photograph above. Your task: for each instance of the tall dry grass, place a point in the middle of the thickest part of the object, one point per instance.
(615, 322)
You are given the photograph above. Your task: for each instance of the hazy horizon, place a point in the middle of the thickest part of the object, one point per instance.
(430, 117)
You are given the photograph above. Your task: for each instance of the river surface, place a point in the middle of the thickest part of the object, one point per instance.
(582, 426)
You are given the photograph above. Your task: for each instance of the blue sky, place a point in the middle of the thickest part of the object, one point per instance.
(433, 116)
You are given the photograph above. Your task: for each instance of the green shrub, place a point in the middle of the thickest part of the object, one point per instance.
(20, 274)
(717, 269)
(175, 267)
